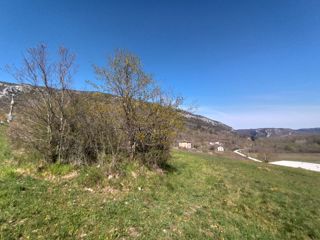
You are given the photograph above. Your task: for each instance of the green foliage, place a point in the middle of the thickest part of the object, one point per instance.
(60, 169)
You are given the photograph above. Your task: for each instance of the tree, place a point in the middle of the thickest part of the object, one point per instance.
(149, 117)
(43, 122)
(125, 79)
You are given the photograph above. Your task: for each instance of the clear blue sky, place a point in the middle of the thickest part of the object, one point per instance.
(245, 63)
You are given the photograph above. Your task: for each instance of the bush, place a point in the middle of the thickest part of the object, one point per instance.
(133, 118)
(5, 151)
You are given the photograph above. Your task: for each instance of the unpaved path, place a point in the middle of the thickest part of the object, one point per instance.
(243, 155)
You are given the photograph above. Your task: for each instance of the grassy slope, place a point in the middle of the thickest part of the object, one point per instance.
(202, 197)
(300, 157)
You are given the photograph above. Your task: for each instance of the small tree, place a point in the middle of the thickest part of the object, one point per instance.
(43, 120)
(150, 119)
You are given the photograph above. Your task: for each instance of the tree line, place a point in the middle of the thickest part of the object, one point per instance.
(128, 118)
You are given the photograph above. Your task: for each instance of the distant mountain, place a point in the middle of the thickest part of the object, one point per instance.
(276, 132)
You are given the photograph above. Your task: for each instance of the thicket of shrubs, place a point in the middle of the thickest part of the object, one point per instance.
(128, 118)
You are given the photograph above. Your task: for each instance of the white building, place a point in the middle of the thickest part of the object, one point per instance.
(220, 149)
(186, 145)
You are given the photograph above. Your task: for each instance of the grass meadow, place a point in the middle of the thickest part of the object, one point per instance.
(197, 197)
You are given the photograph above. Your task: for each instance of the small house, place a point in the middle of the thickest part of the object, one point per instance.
(186, 145)
(220, 149)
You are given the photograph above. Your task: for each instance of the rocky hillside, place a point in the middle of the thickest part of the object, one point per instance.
(199, 121)
(202, 132)
(199, 130)
(10, 95)
(265, 132)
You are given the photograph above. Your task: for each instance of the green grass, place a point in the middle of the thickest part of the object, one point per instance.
(200, 197)
(59, 169)
(300, 157)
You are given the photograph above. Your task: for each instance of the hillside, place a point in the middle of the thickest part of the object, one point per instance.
(198, 129)
(10, 95)
(276, 132)
(197, 197)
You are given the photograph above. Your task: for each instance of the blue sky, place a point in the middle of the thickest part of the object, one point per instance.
(246, 63)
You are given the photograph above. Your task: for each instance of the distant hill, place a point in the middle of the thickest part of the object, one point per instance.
(308, 131)
(198, 121)
(276, 132)
(199, 130)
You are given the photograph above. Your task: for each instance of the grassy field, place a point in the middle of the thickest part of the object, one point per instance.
(199, 197)
(302, 157)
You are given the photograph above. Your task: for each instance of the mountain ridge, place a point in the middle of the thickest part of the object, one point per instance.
(8, 88)
(276, 132)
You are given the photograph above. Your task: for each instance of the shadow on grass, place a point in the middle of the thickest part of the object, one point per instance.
(168, 168)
